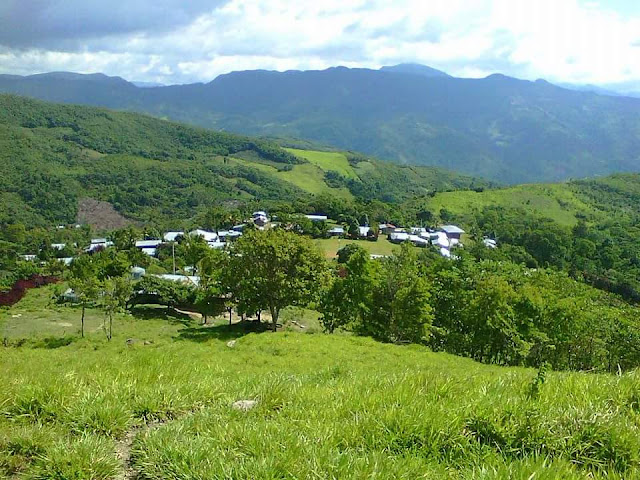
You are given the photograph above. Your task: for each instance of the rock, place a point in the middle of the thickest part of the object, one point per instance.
(148, 342)
(130, 341)
(244, 405)
(231, 343)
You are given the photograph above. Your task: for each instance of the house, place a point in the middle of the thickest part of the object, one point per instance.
(187, 280)
(452, 231)
(58, 246)
(98, 244)
(172, 236)
(386, 228)
(363, 231)
(336, 232)
(317, 218)
(217, 244)
(98, 241)
(440, 239)
(29, 258)
(239, 228)
(260, 218)
(143, 244)
(418, 241)
(208, 236)
(418, 230)
(398, 237)
(490, 243)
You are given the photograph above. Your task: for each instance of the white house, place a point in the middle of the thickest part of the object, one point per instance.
(336, 231)
(363, 231)
(317, 218)
(148, 244)
(171, 236)
(418, 241)
(398, 237)
(490, 243)
(208, 236)
(440, 239)
(58, 246)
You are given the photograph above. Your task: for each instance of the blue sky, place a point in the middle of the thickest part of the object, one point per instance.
(175, 41)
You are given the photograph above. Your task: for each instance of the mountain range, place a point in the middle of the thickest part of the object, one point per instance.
(497, 127)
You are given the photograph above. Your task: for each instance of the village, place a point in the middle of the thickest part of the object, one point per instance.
(445, 239)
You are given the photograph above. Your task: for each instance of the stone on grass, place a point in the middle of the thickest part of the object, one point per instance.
(231, 343)
(244, 405)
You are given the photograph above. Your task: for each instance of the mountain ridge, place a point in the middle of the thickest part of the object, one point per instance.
(498, 127)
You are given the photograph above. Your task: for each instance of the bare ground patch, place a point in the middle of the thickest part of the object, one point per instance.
(100, 215)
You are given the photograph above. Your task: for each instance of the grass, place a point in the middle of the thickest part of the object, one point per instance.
(327, 161)
(330, 246)
(328, 407)
(555, 201)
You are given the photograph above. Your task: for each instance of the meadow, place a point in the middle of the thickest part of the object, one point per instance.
(156, 403)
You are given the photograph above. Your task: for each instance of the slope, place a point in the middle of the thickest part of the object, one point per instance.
(327, 407)
(497, 127)
(154, 170)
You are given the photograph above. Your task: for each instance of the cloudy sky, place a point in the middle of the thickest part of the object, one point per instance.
(180, 41)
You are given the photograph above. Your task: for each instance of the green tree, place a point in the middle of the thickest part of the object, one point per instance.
(116, 292)
(84, 282)
(274, 269)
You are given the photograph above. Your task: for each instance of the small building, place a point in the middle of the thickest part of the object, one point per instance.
(418, 241)
(490, 243)
(440, 239)
(418, 230)
(239, 228)
(363, 231)
(336, 232)
(317, 218)
(386, 228)
(148, 244)
(452, 231)
(208, 236)
(187, 280)
(398, 237)
(217, 244)
(58, 246)
(172, 236)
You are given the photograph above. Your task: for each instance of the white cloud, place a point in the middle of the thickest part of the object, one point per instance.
(561, 40)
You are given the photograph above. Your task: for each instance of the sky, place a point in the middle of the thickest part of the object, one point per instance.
(179, 41)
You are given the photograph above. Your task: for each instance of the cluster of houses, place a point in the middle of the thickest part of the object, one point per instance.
(445, 238)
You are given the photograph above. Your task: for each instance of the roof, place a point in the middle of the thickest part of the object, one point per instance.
(58, 246)
(317, 218)
(180, 278)
(451, 229)
(364, 230)
(260, 213)
(171, 236)
(208, 236)
(148, 243)
(337, 230)
(95, 241)
(149, 251)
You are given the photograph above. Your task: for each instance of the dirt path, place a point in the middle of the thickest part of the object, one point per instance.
(124, 446)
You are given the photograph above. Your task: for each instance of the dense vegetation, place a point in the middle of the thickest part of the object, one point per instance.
(155, 171)
(498, 127)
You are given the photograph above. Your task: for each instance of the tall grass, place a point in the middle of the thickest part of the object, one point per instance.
(328, 407)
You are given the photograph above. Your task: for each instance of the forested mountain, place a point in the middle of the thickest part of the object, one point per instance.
(497, 127)
(54, 156)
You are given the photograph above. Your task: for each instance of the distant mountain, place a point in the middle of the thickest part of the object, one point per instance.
(497, 127)
(415, 69)
(614, 90)
(148, 84)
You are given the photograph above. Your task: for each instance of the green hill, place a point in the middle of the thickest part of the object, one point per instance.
(156, 403)
(150, 169)
(498, 127)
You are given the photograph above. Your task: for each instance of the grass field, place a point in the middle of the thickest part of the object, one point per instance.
(555, 201)
(328, 406)
(330, 246)
(327, 161)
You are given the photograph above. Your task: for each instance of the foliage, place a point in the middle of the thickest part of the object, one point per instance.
(272, 270)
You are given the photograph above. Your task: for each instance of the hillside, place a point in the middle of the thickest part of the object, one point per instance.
(55, 156)
(156, 403)
(498, 127)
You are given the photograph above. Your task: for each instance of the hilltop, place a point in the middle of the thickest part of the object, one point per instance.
(57, 156)
(498, 127)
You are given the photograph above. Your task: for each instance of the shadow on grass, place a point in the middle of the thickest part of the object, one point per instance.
(203, 333)
(153, 312)
(53, 342)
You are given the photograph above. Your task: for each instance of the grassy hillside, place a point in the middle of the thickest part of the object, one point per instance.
(153, 170)
(497, 127)
(335, 406)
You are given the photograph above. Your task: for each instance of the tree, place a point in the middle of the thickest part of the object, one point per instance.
(274, 269)
(210, 294)
(84, 282)
(116, 293)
